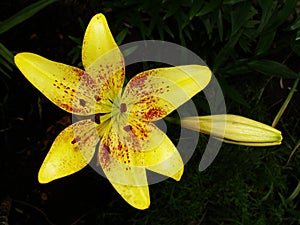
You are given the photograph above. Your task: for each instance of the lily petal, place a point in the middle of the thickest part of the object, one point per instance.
(137, 197)
(158, 153)
(129, 182)
(172, 167)
(72, 150)
(108, 72)
(102, 58)
(153, 94)
(141, 144)
(68, 87)
(97, 41)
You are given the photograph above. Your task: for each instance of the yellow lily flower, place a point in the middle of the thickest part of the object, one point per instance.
(234, 129)
(130, 142)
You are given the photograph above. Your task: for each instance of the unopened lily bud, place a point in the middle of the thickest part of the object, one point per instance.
(234, 129)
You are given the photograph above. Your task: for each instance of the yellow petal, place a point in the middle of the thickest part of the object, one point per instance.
(130, 182)
(172, 167)
(153, 94)
(72, 150)
(108, 71)
(234, 129)
(102, 58)
(97, 41)
(136, 143)
(68, 87)
(137, 197)
(153, 150)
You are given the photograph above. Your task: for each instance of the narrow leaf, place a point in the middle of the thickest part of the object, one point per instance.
(232, 93)
(121, 36)
(272, 68)
(240, 16)
(209, 7)
(267, 10)
(24, 14)
(6, 54)
(277, 19)
(264, 43)
(296, 24)
(4, 73)
(195, 9)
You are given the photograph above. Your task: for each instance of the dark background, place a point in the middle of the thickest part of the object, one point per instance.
(244, 185)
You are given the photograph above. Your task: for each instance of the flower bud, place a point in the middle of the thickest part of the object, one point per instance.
(234, 129)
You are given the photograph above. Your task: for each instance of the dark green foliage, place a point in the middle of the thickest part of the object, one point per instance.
(253, 48)
(6, 57)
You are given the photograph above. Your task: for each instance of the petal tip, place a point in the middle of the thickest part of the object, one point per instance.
(178, 175)
(144, 206)
(43, 178)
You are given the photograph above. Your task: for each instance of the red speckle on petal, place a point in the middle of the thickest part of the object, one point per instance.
(107, 148)
(139, 81)
(123, 107)
(104, 157)
(97, 98)
(97, 118)
(127, 128)
(69, 108)
(82, 102)
(154, 113)
(75, 140)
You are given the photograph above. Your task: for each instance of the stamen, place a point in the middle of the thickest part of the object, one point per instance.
(123, 107)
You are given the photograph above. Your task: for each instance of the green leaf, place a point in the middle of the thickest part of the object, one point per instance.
(161, 32)
(239, 67)
(195, 9)
(296, 47)
(232, 93)
(24, 14)
(6, 54)
(77, 40)
(244, 44)
(226, 51)
(6, 65)
(240, 16)
(209, 7)
(168, 30)
(188, 34)
(6, 60)
(272, 68)
(208, 27)
(264, 43)
(232, 2)
(267, 7)
(279, 18)
(297, 35)
(121, 36)
(5, 73)
(296, 24)
(171, 9)
(220, 25)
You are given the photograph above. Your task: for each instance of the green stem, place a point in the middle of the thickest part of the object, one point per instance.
(172, 120)
(285, 104)
(293, 152)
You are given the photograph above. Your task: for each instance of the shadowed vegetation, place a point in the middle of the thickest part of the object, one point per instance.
(253, 48)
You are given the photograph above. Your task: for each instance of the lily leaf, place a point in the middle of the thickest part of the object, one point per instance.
(24, 14)
(273, 68)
